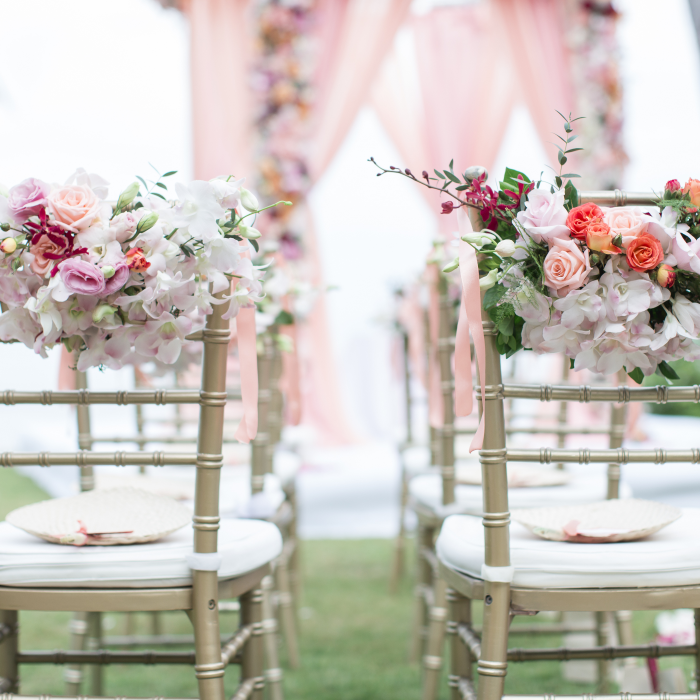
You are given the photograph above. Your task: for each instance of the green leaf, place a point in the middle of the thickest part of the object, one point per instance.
(571, 195)
(572, 138)
(571, 363)
(558, 180)
(158, 194)
(138, 177)
(161, 185)
(567, 128)
(511, 176)
(493, 296)
(561, 158)
(452, 164)
(637, 375)
(462, 187)
(255, 245)
(667, 371)
(284, 318)
(452, 177)
(439, 174)
(573, 150)
(169, 173)
(570, 175)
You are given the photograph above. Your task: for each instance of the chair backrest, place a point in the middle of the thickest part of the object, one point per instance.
(495, 455)
(208, 458)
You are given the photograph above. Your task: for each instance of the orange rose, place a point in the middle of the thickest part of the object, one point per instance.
(599, 238)
(136, 260)
(580, 218)
(666, 276)
(644, 253)
(693, 186)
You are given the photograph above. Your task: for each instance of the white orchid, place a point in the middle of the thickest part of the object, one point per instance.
(198, 210)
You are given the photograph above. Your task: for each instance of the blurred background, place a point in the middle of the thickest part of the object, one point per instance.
(296, 95)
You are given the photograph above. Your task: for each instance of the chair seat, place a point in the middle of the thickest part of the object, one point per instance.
(416, 459)
(671, 557)
(426, 492)
(286, 466)
(25, 560)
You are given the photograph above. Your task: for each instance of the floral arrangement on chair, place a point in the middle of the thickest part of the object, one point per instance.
(611, 288)
(126, 282)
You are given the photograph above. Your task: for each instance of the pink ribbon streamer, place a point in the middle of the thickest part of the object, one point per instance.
(436, 410)
(469, 321)
(248, 358)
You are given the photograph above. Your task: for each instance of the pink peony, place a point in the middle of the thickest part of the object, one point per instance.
(82, 277)
(74, 207)
(28, 197)
(566, 266)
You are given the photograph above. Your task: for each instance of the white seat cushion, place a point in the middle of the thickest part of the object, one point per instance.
(286, 465)
(670, 557)
(26, 560)
(426, 491)
(416, 459)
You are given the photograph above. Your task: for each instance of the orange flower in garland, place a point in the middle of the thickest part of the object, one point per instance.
(580, 218)
(644, 253)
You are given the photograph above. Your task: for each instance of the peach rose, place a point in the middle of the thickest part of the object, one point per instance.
(566, 266)
(47, 250)
(74, 207)
(599, 238)
(628, 222)
(644, 253)
(693, 186)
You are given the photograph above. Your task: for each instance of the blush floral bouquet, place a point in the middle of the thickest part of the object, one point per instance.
(126, 282)
(611, 288)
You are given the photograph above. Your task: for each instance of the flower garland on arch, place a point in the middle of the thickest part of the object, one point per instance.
(611, 288)
(123, 283)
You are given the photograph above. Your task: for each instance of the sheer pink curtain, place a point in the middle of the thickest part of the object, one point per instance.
(534, 33)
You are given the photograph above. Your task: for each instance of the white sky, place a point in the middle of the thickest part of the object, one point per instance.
(104, 84)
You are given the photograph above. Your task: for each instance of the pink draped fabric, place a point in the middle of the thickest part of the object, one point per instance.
(534, 32)
(66, 375)
(448, 114)
(354, 37)
(412, 317)
(222, 105)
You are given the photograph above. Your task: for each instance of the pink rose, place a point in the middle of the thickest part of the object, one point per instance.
(124, 226)
(544, 217)
(628, 222)
(566, 266)
(74, 207)
(118, 279)
(49, 248)
(82, 277)
(28, 197)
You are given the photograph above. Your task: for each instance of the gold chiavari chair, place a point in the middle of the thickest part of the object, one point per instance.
(515, 573)
(228, 558)
(278, 598)
(434, 497)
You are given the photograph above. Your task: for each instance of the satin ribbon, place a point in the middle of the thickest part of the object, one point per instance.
(469, 321)
(289, 381)
(248, 358)
(436, 410)
(66, 375)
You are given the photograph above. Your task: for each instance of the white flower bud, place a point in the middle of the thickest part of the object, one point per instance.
(248, 232)
(249, 200)
(451, 267)
(505, 248)
(8, 246)
(108, 271)
(478, 239)
(128, 196)
(489, 281)
(101, 311)
(146, 222)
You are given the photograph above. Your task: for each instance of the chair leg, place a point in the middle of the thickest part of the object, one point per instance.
(697, 646)
(209, 667)
(460, 611)
(435, 646)
(294, 559)
(9, 634)
(397, 565)
(94, 623)
(493, 665)
(604, 638)
(73, 674)
(424, 581)
(253, 663)
(623, 619)
(273, 672)
(287, 613)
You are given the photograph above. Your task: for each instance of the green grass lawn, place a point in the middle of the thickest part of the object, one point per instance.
(354, 635)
